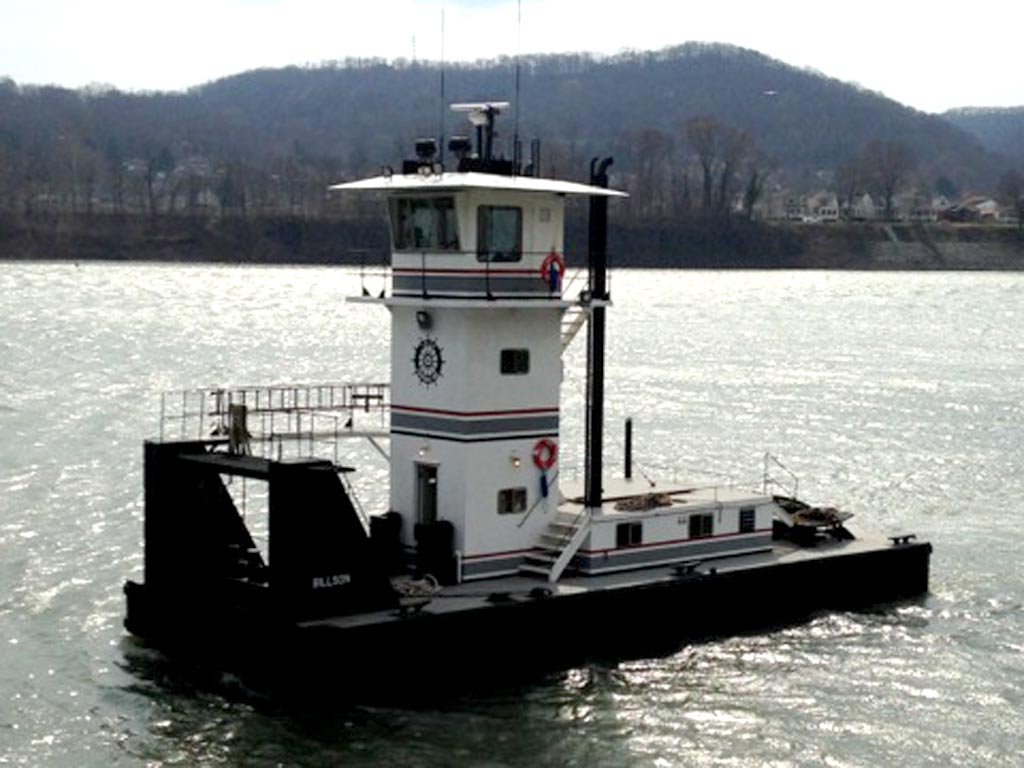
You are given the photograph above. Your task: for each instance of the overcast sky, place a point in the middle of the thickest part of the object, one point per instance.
(931, 55)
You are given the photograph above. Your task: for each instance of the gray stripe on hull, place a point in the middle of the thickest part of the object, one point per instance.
(476, 284)
(464, 427)
(622, 558)
(486, 568)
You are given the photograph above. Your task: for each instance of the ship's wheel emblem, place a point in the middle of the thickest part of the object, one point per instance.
(428, 361)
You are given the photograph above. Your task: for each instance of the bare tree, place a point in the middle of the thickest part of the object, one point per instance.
(654, 150)
(703, 137)
(886, 166)
(155, 166)
(10, 176)
(719, 150)
(682, 197)
(65, 158)
(757, 172)
(848, 183)
(735, 147)
(115, 174)
(231, 190)
(37, 180)
(89, 168)
(1011, 193)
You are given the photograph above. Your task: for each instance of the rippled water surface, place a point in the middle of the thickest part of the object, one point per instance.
(898, 396)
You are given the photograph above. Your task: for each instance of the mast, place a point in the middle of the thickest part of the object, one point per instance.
(598, 267)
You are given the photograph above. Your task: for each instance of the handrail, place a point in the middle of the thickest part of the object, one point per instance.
(467, 252)
(572, 321)
(568, 284)
(572, 546)
(415, 262)
(280, 415)
(769, 461)
(552, 483)
(356, 503)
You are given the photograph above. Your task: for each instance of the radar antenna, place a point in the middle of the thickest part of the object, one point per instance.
(481, 116)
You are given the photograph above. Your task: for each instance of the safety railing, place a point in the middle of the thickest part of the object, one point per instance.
(772, 466)
(278, 421)
(429, 274)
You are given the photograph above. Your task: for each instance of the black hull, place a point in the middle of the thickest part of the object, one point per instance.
(517, 635)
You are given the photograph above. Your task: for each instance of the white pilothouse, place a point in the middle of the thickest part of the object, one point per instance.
(478, 307)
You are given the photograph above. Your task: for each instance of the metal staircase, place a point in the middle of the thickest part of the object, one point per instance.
(559, 544)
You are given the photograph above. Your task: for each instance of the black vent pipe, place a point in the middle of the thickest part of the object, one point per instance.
(598, 271)
(627, 457)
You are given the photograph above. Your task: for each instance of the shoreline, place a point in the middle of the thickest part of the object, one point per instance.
(678, 244)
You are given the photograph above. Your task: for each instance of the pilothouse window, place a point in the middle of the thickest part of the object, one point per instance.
(424, 224)
(499, 233)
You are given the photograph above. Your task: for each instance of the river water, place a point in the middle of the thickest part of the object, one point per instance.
(897, 396)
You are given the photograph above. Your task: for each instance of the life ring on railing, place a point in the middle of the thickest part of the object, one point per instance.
(545, 453)
(553, 259)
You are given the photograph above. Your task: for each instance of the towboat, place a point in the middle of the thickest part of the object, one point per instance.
(488, 558)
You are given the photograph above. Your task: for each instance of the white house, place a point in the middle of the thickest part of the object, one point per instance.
(864, 208)
(823, 206)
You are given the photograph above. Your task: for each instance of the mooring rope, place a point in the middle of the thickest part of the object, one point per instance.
(425, 587)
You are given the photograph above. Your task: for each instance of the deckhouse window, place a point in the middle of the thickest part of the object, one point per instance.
(701, 526)
(424, 224)
(515, 362)
(511, 501)
(499, 233)
(746, 519)
(629, 535)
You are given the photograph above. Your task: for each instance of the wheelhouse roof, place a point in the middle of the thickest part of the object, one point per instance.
(452, 182)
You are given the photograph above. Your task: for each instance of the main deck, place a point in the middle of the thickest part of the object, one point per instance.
(472, 597)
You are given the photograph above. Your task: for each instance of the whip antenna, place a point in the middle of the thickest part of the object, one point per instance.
(441, 109)
(516, 148)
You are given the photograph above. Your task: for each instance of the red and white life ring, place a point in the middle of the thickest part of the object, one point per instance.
(545, 453)
(552, 259)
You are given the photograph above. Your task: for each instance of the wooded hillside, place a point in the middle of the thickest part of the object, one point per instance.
(999, 130)
(272, 140)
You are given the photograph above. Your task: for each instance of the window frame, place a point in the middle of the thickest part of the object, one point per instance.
(629, 534)
(484, 226)
(512, 501)
(445, 218)
(702, 525)
(517, 359)
(747, 519)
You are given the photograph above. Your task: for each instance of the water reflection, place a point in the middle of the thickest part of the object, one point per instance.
(901, 396)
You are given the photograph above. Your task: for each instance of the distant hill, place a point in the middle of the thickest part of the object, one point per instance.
(274, 138)
(998, 129)
(365, 111)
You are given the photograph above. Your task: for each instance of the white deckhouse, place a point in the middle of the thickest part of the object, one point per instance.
(476, 365)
